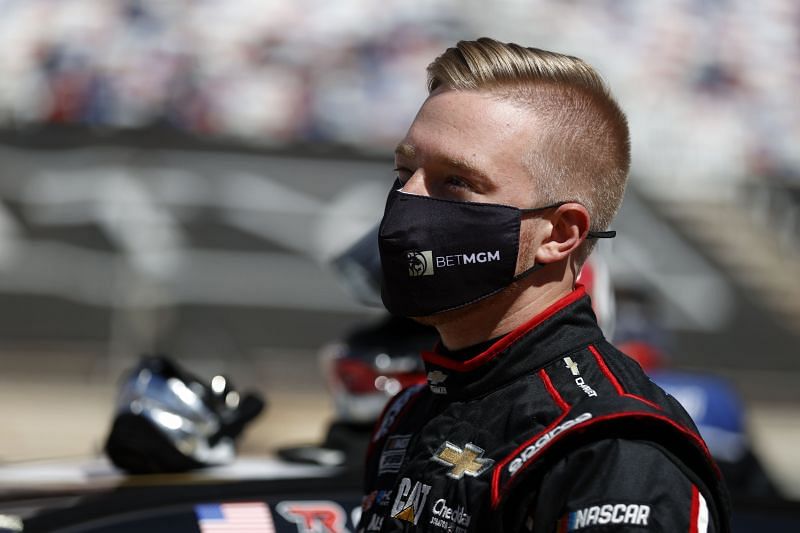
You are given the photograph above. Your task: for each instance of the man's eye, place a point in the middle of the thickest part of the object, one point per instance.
(456, 182)
(403, 174)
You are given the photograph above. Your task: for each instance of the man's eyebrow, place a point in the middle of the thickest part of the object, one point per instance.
(464, 166)
(405, 150)
(408, 151)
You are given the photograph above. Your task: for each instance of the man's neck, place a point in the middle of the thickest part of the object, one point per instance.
(498, 314)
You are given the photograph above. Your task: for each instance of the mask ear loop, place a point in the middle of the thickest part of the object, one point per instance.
(591, 235)
(537, 266)
(610, 234)
(527, 272)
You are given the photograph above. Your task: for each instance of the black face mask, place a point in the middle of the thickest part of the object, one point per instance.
(439, 255)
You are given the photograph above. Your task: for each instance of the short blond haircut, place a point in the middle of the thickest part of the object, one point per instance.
(583, 154)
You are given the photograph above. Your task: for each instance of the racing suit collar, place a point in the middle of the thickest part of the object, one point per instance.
(567, 325)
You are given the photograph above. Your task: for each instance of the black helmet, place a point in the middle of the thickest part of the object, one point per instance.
(167, 420)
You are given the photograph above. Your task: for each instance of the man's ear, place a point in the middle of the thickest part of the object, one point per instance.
(569, 228)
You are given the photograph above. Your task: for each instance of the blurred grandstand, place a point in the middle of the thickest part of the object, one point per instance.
(176, 175)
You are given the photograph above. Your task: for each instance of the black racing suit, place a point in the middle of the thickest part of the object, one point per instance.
(549, 429)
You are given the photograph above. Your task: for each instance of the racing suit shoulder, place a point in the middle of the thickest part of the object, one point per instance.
(600, 375)
(619, 485)
(605, 397)
(394, 411)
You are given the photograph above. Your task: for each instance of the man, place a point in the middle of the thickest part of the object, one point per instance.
(530, 420)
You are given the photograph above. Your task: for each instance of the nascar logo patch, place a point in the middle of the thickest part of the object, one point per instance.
(630, 514)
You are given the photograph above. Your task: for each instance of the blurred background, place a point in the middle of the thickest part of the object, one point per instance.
(177, 176)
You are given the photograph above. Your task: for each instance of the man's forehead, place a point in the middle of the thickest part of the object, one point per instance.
(470, 125)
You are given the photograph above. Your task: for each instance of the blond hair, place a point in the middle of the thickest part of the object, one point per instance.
(583, 154)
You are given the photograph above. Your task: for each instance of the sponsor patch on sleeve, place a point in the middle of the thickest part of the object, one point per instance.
(628, 514)
(394, 451)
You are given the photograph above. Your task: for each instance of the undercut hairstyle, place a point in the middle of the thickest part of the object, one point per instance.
(581, 152)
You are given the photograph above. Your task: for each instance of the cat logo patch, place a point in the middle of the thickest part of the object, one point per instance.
(410, 500)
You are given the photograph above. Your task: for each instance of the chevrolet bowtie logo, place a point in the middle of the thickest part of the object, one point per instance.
(436, 377)
(467, 461)
(572, 365)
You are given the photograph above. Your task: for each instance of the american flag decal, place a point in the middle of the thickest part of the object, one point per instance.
(245, 517)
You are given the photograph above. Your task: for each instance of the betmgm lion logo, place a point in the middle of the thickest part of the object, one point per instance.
(420, 263)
